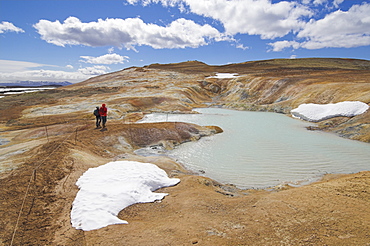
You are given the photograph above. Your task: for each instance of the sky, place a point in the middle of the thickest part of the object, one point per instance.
(72, 40)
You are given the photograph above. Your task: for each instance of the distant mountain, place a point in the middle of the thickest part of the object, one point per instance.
(36, 83)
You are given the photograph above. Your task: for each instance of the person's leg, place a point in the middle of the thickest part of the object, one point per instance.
(104, 118)
(98, 120)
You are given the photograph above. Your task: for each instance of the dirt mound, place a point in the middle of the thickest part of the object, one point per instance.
(39, 193)
(29, 192)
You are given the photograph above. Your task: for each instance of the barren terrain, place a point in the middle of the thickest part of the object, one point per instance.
(49, 139)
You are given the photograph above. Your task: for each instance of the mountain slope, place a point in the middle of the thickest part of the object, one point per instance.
(273, 85)
(48, 139)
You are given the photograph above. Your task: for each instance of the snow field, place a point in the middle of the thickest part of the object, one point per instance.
(318, 112)
(224, 76)
(107, 189)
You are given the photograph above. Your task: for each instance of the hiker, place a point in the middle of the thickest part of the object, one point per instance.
(103, 113)
(98, 117)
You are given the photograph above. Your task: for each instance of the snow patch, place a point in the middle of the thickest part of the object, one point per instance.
(107, 189)
(224, 76)
(318, 112)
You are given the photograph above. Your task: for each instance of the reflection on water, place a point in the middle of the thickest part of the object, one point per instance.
(259, 149)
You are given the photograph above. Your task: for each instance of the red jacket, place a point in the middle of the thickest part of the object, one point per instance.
(103, 110)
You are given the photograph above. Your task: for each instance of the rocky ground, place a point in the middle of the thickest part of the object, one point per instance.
(48, 140)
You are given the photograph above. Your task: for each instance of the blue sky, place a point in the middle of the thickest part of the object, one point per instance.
(72, 40)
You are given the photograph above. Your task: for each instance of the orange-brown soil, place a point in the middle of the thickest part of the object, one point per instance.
(51, 140)
(196, 211)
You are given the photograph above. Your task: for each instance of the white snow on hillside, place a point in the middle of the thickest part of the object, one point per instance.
(107, 189)
(317, 112)
(224, 76)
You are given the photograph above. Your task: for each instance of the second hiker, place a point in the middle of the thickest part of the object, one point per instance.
(103, 113)
(98, 118)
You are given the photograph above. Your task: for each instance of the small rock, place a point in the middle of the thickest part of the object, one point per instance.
(194, 241)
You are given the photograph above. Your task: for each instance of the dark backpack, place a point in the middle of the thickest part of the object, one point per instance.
(96, 112)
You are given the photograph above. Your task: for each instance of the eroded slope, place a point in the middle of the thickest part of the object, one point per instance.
(53, 133)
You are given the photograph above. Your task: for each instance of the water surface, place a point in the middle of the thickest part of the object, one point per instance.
(260, 149)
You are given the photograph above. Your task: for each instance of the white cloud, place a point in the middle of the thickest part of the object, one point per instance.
(269, 20)
(105, 59)
(319, 2)
(323, 4)
(240, 46)
(11, 71)
(127, 33)
(337, 2)
(95, 70)
(280, 45)
(339, 29)
(8, 66)
(110, 50)
(253, 17)
(9, 27)
(43, 75)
